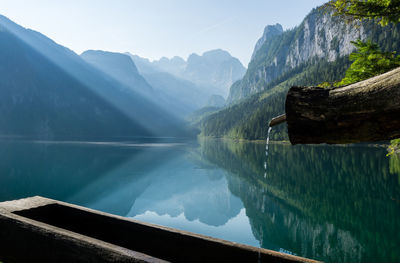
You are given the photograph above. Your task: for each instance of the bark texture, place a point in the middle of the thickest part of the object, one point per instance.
(277, 120)
(362, 112)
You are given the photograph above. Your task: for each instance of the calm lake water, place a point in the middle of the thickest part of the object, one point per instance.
(331, 203)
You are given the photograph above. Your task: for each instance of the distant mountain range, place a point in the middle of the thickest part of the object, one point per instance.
(184, 95)
(214, 71)
(49, 92)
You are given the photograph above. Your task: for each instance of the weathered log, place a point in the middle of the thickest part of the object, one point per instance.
(362, 112)
(277, 120)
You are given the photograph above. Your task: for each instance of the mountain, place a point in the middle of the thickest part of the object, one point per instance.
(214, 71)
(178, 94)
(143, 65)
(216, 101)
(174, 66)
(165, 94)
(120, 67)
(49, 92)
(314, 52)
(269, 32)
(319, 36)
(191, 188)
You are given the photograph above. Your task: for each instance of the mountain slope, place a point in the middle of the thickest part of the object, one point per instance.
(319, 36)
(50, 92)
(120, 67)
(284, 60)
(177, 94)
(38, 99)
(249, 119)
(269, 32)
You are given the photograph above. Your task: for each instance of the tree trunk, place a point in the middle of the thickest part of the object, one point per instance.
(362, 112)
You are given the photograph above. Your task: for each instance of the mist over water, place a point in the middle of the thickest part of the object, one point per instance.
(336, 204)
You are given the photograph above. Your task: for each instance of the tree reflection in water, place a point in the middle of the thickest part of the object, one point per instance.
(334, 203)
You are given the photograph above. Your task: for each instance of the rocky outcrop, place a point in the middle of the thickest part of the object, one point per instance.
(319, 36)
(269, 32)
(323, 36)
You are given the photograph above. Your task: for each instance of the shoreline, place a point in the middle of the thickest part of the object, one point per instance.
(371, 144)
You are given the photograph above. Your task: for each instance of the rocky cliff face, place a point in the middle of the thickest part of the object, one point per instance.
(319, 36)
(323, 36)
(269, 32)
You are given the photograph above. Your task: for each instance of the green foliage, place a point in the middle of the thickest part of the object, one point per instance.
(386, 11)
(394, 147)
(249, 119)
(195, 118)
(326, 84)
(368, 61)
(394, 164)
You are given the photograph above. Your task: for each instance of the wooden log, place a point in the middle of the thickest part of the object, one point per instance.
(362, 112)
(277, 120)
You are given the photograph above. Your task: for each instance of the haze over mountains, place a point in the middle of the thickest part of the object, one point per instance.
(47, 91)
(163, 82)
(120, 67)
(50, 92)
(214, 71)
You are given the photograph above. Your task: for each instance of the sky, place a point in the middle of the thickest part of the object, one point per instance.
(157, 28)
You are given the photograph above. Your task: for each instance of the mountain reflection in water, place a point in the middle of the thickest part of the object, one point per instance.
(337, 204)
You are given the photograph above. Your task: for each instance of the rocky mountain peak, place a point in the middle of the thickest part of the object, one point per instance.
(99, 57)
(320, 36)
(269, 32)
(217, 55)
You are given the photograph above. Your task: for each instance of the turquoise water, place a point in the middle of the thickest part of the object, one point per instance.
(331, 203)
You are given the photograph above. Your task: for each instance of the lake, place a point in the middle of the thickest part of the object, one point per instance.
(331, 203)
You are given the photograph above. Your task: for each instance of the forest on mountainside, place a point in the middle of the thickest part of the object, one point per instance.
(249, 117)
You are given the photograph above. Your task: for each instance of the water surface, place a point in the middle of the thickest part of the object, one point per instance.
(331, 203)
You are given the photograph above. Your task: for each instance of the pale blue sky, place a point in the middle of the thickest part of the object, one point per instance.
(156, 28)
